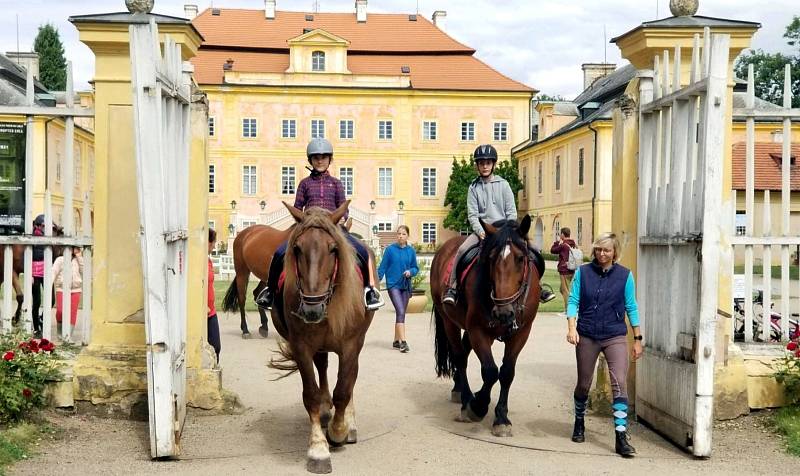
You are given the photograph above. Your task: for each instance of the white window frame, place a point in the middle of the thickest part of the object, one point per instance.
(347, 177)
(385, 174)
(212, 126)
(212, 178)
(740, 223)
(556, 229)
(385, 129)
(245, 223)
(288, 128)
(349, 126)
(249, 128)
(318, 61)
(288, 180)
(249, 179)
(317, 128)
(428, 228)
(467, 131)
(429, 182)
(501, 131)
(430, 130)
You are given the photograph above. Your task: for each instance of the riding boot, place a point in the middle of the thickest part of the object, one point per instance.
(578, 430)
(623, 446)
(620, 413)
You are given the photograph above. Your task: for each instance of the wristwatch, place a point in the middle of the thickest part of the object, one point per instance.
(639, 337)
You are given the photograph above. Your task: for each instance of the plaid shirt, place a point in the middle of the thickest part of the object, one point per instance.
(324, 191)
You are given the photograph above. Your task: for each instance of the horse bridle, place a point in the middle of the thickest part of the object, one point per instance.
(519, 298)
(316, 299)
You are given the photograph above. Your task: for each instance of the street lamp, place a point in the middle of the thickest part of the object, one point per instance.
(233, 204)
(262, 204)
(372, 204)
(374, 229)
(401, 205)
(231, 228)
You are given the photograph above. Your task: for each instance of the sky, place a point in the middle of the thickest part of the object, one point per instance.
(541, 43)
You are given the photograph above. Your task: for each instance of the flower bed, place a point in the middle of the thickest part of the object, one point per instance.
(26, 365)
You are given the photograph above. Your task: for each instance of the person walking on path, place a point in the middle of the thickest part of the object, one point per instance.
(37, 272)
(602, 293)
(75, 287)
(562, 247)
(212, 321)
(399, 265)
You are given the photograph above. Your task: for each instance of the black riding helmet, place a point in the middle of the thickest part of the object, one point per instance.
(485, 152)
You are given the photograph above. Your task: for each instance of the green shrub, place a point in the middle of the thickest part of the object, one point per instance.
(25, 367)
(788, 372)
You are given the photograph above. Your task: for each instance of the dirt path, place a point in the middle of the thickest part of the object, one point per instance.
(405, 423)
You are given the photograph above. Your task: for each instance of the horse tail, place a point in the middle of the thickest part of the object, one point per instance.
(230, 302)
(285, 362)
(442, 350)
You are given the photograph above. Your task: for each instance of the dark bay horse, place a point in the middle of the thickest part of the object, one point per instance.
(253, 248)
(320, 310)
(498, 299)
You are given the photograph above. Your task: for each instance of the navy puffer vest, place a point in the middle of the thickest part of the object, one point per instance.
(601, 311)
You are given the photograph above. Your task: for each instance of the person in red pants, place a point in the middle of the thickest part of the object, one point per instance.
(75, 287)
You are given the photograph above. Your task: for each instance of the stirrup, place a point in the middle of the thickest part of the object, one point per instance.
(450, 296)
(371, 307)
(263, 299)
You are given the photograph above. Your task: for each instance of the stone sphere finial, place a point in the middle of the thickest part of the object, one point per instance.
(139, 6)
(683, 8)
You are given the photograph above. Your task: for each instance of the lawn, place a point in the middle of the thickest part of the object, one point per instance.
(787, 423)
(776, 271)
(18, 440)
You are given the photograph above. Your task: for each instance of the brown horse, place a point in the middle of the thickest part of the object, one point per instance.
(498, 300)
(253, 248)
(320, 310)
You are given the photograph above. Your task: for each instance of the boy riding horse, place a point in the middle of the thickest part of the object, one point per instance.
(489, 198)
(323, 190)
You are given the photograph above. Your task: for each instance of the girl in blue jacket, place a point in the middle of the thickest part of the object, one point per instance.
(602, 294)
(399, 264)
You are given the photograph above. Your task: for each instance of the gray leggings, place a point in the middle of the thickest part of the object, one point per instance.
(615, 350)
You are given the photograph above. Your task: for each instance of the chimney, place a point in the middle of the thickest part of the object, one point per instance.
(26, 59)
(189, 11)
(440, 19)
(361, 11)
(269, 9)
(593, 71)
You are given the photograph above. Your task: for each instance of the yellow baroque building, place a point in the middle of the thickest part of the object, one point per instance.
(397, 97)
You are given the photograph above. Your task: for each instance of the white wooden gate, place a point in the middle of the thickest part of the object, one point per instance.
(161, 104)
(681, 136)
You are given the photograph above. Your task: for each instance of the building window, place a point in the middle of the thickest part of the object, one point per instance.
(249, 180)
(524, 182)
(212, 224)
(317, 128)
(556, 229)
(428, 182)
(385, 181)
(539, 179)
(346, 129)
(467, 131)
(500, 131)
(558, 173)
(579, 230)
(429, 130)
(318, 61)
(385, 130)
(346, 176)
(429, 232)
(249, 128)
(212, 126)
(580, 166)
(287, 180)
(384, 226)
(741, 223)
(289, 128)
(212, 179)
(246, 223)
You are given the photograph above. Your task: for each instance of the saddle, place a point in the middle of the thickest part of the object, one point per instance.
(464, 265)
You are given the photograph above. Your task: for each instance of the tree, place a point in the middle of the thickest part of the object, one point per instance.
(547, 97)
(52, 64)
(768, 68)
(462, 175)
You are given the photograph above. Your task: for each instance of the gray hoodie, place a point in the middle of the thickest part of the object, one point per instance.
(490, 201)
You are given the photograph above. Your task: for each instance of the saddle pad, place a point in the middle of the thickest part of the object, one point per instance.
(464, 266)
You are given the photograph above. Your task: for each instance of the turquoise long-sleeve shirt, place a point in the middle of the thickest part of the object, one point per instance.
(631, 308)
(397, 260)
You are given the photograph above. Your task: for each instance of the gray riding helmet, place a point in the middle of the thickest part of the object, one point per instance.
(319, 146)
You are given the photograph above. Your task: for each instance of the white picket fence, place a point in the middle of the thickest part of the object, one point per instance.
(68, 241)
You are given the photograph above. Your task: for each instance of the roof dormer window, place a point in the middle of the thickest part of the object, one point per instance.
(318, 61)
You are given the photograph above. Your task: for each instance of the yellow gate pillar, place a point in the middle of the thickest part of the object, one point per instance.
(110, 374)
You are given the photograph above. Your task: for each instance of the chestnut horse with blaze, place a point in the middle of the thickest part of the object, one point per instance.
(319, 310)
(498, 299)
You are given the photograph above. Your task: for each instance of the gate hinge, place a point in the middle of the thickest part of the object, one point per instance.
(172, 236)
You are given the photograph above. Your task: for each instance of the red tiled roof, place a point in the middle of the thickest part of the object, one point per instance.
(767, 166)
(380, 46)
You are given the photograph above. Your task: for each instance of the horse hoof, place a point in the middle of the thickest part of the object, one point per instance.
(463, 417)
(319, 466)
(352, 437)
(501, 431)
(455, 397)
(333, 443)
(245, 335)
(264, 331)
(472, 415)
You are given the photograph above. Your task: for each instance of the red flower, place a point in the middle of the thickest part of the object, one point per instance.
(43, 342)
(791, 346)
(24, 346)
(8, 355)
(49, 347)
(797, 353)
(27, 393)
(33, 345)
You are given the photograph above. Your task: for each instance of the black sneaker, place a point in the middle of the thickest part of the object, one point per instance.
(450, 295)
(372, 298)
(404, 348)
(396, 344)
(265, 298)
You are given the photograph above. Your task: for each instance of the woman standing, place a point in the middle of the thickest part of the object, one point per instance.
(399, 264)
(212, 321)
(602, 293)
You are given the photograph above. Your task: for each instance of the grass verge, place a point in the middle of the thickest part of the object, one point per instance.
(18, 441)
(787, 422)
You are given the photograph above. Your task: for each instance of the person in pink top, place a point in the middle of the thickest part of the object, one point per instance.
(213, 321)
(561, 248)
(76, 286)
(38, 276)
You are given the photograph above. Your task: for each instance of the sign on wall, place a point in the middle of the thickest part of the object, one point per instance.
(12, 178)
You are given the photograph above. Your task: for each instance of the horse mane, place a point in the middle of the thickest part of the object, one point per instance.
(507, 230)
(346, 304)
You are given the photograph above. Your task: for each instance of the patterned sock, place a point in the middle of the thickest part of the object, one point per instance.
(580, 406)
(620, 411)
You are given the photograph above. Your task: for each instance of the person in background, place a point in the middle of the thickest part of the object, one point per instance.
(75, 287)
(212, 321)
(38, 277)
(399, 265)
(561, 248)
